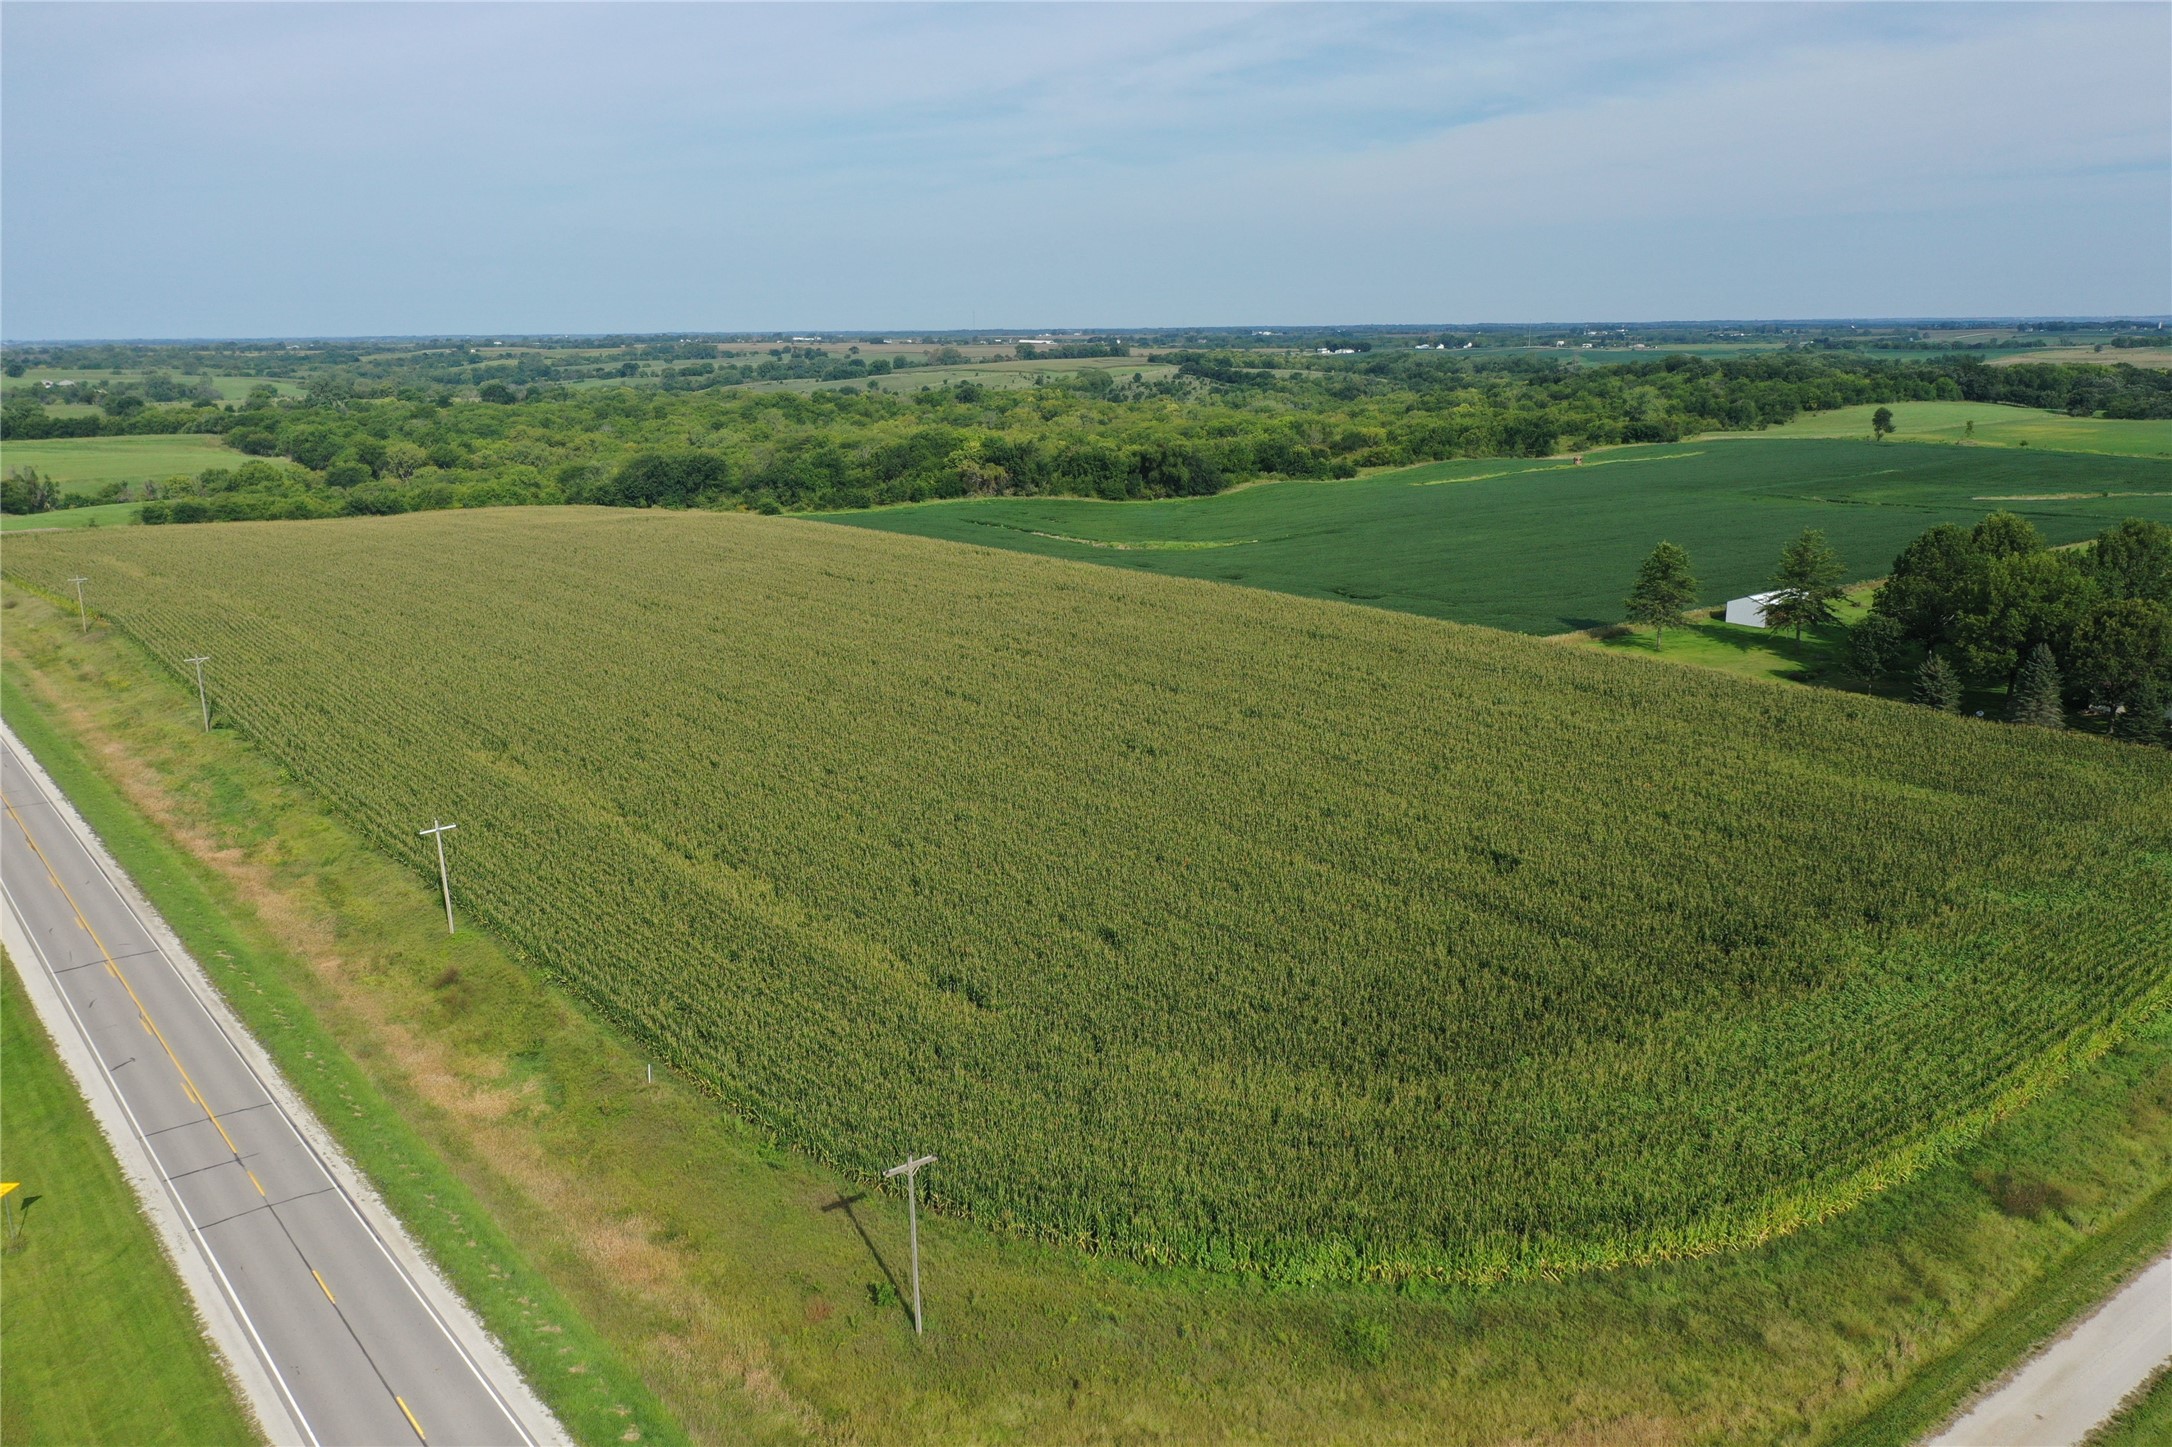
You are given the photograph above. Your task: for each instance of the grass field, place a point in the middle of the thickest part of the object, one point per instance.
(1351, 1004)
(2156, 358)
(1996, 425)
(1548, 546)
(744, 1289)
(105, 515)
(79, 464)
(230, 388)
(100, 1342)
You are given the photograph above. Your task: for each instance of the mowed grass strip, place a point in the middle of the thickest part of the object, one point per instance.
(1204, 925)
(100, 1342)
(79, 464)
(1547, 545)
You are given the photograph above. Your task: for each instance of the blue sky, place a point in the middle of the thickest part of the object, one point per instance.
(285, 170)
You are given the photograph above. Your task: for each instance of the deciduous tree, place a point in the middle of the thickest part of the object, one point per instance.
(1873, 645)
(2133, 559)
(1929, 583)
(2120, 648)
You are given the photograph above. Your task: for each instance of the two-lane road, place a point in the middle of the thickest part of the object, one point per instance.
(360, 1343)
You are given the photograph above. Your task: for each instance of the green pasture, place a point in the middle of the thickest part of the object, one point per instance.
(99, 1342)
(1549, 546)
(231, 389)
(80, 464)
(2155, 358)
(1995, 425)
(105, 515)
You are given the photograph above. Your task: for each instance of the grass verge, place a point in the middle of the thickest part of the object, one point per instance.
(100, 1342)
(2145, 1421)
(757, 1295)
(2093, 1270)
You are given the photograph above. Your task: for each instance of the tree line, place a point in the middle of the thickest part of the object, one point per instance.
(2057, 631)
(1226, 418)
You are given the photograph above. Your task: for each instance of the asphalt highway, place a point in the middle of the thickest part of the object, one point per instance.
(359, 1349)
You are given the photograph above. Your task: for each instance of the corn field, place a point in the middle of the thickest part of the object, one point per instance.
(1193, 923)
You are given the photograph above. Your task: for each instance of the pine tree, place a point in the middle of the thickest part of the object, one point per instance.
(1664, 589)
(1806, 584)
(2035, 696)
(2141, 719)
(1937, 685)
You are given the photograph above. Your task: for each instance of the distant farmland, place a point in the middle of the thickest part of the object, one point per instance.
(1548, 546)
(1987, 424)
(80, 464)
(1197, 924)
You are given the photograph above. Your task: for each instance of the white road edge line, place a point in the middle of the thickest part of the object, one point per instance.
(252, 1368)
(454, 1317)
(399, 1268)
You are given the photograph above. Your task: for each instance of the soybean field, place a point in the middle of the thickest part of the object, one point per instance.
(1549, 545)
(1197, 924)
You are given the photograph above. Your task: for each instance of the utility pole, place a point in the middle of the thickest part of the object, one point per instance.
(202, 698)
(444, 880)
(911, 1172)
(80, 612)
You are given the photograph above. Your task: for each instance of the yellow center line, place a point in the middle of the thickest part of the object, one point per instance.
(143, 1014)
(188, 1083)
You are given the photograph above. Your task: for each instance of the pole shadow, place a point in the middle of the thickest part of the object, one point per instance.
(845, 1204)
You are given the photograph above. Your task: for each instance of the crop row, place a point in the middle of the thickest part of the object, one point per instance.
(1196, 923)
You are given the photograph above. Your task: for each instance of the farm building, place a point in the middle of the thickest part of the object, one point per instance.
(1750, 611)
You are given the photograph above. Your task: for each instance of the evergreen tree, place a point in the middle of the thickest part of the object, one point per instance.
(2141, 719)
(1937, 685)
(1664, 589)
(2035, 696)
(1806, 584)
